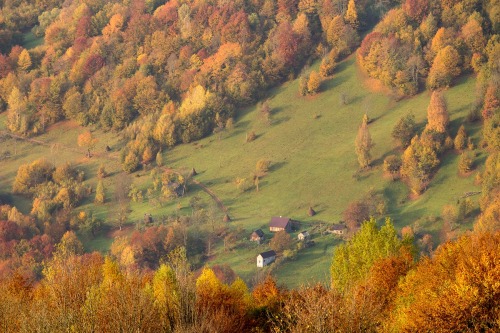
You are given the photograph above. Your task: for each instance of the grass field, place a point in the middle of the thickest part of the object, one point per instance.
(31, 41)
(310, 144)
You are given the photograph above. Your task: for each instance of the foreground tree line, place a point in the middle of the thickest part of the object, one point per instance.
(377, 285)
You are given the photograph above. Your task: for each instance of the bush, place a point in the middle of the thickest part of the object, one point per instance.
(313, 83)
(243, 184)
(262, 166)
(405, 130)
(392, 165)
(101, 172)
(465, 163)
(251, 136)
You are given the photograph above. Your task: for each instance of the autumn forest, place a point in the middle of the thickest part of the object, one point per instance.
(101, 100)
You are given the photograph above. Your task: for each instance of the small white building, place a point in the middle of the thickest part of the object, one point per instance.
(304, 235)
(265, 258)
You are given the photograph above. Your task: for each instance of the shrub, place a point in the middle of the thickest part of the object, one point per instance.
(313, 83)
(404, 130)
(392, 165)
(465, 163)
(461, 139)
(262, 166)
(251, 136)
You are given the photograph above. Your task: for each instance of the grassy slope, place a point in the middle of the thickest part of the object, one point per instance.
(31, 41)
(314, 163)
(311, 146)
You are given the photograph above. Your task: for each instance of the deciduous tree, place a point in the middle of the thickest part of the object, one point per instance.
(437, 113)
(363, 144)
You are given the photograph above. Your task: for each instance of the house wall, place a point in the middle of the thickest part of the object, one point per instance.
(261, 262)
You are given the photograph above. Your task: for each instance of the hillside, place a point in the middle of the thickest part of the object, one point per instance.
(310, 143)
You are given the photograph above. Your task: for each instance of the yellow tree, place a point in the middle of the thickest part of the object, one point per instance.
(351, 15)
(24, 61)
(363, 144)
(99, 193)
(313, 83)
(87, 140)
(437, 113)
(460, 141)
(454, 291)
(445, 67)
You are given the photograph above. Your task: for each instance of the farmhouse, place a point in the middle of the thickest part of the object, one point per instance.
(257, 236)
(280, 223)
(338, 229)
(304, 235)
(265, 258)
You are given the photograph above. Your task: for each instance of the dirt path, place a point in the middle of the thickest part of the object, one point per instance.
(214, 197)
(212, 194)
(208, 191)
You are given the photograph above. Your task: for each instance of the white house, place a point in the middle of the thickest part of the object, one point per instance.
(265, 258)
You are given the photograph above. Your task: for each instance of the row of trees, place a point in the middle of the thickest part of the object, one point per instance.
(376, 285)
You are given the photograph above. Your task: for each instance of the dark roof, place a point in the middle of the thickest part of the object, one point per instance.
(338, 227)
(268, 254)
(259, 232)
(279, 222)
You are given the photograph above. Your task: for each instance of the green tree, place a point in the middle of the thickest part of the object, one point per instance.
(131, 162)
(392, 165)
(281, 241)
(363, 145)
(352, 261)
(405, 130)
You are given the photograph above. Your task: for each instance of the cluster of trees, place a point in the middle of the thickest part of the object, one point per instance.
(433, 40)
(50, 187)
(179, 67)
(376, 285)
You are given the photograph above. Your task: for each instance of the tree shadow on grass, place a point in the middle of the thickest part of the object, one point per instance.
(281, 120)
(333, 82)
(276, 166)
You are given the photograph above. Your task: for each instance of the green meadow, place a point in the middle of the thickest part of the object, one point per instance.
(310, 143)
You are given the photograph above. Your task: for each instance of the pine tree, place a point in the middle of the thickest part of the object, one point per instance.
(363, 144)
